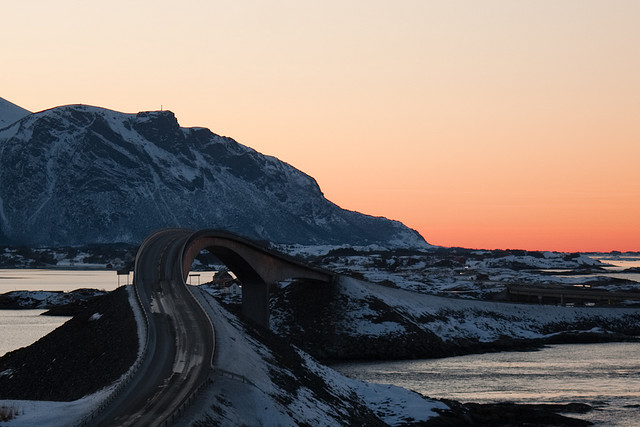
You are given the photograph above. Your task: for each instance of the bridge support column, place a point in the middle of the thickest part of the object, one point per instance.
(255, 302)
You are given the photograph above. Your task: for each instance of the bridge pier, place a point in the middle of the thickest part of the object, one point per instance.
(255, 302)
(256, 267)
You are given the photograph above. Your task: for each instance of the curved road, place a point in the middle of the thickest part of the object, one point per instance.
(180, 345)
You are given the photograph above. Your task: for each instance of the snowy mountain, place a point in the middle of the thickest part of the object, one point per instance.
(77, 174)
(10, 113)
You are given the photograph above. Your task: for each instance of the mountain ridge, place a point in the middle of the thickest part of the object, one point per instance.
(79, 174)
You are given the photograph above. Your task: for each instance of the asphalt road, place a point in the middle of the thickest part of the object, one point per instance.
(180, 343)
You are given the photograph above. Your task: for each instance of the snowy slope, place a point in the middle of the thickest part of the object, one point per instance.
(272, 385)
(355, 319)
(454, 319)
(10, 113)
(77, 174)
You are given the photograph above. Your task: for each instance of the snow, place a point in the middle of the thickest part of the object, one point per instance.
(455, 318)
(245, 390)
(52, 414)
(461, 273)
(393, 404)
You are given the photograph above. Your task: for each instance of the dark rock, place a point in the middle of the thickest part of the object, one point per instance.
(508, 414)
(85, 354)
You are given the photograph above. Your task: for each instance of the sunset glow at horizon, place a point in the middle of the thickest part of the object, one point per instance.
(488, 125)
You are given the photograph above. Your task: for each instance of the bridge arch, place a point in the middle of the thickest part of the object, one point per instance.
(256, 267)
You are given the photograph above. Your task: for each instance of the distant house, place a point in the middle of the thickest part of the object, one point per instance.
(225, 281)
(233, 289)
(222, 279)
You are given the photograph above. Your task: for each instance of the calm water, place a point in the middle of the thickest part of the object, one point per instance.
(20, 328)
(606, 376)
(59, 280)
(621, 264)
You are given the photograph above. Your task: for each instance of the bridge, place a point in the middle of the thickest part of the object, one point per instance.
(179, 346)
(256, 267)
(568, 294)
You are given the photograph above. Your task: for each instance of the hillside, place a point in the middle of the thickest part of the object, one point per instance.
(77, 174)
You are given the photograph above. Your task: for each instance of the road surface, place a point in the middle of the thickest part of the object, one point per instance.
(180, 344)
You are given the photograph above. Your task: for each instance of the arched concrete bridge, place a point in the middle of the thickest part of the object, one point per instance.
(255, 266)
(180, 340)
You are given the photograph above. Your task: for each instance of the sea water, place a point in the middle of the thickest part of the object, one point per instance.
(59, 280)
(606, 376)
(20, 328)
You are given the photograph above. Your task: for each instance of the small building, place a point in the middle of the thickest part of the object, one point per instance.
(233, 289)
(222, 279)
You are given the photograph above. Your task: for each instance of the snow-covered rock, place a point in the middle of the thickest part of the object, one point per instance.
(77, 174)
(46, 299)
(356, 319)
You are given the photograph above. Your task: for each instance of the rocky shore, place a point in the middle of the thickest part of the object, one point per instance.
(58, 303)
(509, 414)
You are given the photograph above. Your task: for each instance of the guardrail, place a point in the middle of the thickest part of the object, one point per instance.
(232, 375)
(188, 401)
(124, 380)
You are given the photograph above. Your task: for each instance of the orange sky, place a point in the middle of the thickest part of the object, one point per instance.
(493, 124)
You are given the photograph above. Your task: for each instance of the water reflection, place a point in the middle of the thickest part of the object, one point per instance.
(600, 374)
(20, 328)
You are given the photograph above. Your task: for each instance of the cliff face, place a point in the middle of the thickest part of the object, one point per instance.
(76, 175)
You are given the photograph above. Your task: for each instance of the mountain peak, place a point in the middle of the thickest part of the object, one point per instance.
(77, 174)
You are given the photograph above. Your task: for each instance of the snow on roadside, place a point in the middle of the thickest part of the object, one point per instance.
(52, 414)
(393, 404)
(253, 386)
